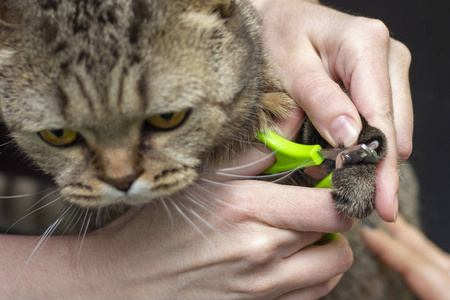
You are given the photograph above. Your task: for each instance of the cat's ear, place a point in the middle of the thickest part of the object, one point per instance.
(8, 17)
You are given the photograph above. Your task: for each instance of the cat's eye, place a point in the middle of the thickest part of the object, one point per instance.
(168, 121)
(59, 137)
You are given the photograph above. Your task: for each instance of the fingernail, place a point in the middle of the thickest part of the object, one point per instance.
(396, 208)
(344, 131)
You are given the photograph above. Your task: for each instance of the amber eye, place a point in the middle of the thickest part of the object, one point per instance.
(59, 137)
(168, 121)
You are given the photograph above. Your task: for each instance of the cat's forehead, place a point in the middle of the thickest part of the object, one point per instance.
(97, 37)
(83, 58)
(91, 32)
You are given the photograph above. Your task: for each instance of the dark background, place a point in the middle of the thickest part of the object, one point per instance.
(425, 28)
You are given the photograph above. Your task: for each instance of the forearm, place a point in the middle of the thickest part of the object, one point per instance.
(53, 271)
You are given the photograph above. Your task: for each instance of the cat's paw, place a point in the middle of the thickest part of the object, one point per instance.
(354, 190)
(354, 185)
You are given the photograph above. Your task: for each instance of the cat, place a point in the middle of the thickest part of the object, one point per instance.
(124, 102)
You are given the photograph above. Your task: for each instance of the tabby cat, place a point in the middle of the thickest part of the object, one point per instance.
(124, 102)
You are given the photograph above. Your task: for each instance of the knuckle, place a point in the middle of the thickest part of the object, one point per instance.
(257, 285)
(260, 250)
(402, 52)
(237, 208)
(255, 288)
(317, 89)
(405, 149)
(260, 288)
(383, 114)
(376, 29)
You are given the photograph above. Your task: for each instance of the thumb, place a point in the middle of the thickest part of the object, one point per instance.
(331, 111)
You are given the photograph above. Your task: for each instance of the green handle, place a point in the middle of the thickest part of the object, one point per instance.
(326, 183)
(289, 155)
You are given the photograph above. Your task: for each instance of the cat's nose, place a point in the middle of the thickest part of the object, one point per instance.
(122, 184)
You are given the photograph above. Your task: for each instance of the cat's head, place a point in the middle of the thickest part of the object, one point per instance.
(120, 101)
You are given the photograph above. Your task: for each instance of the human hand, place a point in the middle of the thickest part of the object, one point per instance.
(424, 267)
(314, 47)
(226, 238)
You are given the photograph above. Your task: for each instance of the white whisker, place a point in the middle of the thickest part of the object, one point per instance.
(7, 143)
(79, 212)
(42, 199)
(42, 241)
(192, 211)
(163, 202)
(98, 221)
(263, 176)
(283, 175)
(34, 211)
(225, 184)
(254, 162)
(71, 217)
(202, 199)
(286, 175)
(54, 226)
(82, 225)
(247, 165)
(27, 195)
(215, 198)
(202, 202)
(84, 233)
(190, 221)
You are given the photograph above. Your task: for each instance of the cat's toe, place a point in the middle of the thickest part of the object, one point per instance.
(354, 190)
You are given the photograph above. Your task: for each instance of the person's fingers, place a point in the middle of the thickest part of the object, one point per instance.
(300, 270)
(423, 277)
(387, 186)
(416, 240)
(366, 75)
(329, 108)
(289, 242)
(301, 70)
(399, 63)
(313, 292)
(283, 206)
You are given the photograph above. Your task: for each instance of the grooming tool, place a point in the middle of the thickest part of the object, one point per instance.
(291, 156)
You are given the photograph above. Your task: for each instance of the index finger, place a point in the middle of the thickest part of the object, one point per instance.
(285, 206)
(368, 80)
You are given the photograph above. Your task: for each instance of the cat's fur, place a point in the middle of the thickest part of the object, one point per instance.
(102, 68)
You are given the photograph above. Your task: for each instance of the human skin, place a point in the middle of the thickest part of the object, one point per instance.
(423, 265)
(238, 239)
(258, 233)
(313, 47)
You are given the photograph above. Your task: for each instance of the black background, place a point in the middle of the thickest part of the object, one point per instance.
(425, 28)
